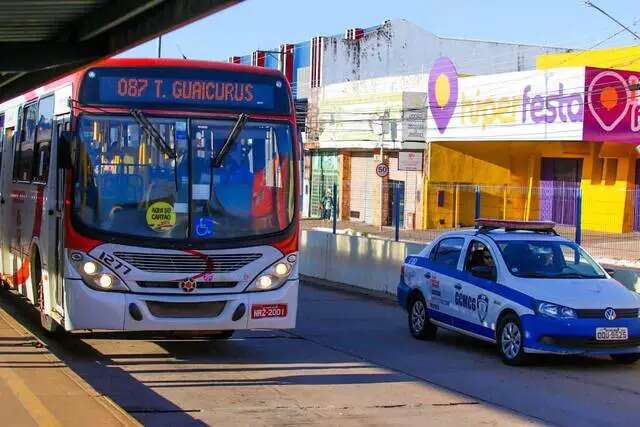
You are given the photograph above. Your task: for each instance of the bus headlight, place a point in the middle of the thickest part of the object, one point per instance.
(96, 275)
(273, 277)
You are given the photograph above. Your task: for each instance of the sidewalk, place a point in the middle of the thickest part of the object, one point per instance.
(37, 389)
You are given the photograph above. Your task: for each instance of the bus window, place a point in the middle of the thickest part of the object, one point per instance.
(23, 161)
(43, 140)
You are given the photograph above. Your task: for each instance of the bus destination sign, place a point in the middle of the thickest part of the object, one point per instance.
(185, 91)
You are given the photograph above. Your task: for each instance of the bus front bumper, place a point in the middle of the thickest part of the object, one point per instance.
(86, 308)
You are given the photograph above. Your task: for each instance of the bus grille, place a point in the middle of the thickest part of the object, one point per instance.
(169, 263)
(176, 285)
(185, 309)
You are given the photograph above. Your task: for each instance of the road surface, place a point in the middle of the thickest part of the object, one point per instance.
(351, 361)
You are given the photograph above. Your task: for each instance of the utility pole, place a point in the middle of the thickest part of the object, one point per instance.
(599, 9)
(160, 46)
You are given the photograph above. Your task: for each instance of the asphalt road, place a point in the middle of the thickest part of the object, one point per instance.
(351, 361)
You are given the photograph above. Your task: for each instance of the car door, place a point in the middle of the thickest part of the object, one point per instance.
(442, 268)
(474, 299)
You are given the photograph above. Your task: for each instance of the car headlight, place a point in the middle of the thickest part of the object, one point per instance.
(96, 275)
(555, 310)
(274, 276)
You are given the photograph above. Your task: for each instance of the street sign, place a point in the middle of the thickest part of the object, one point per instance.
(409, 161)
(382, 170)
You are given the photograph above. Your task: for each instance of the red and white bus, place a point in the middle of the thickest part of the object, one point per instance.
(153, 194)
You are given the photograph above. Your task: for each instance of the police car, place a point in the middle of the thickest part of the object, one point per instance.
(522, 286)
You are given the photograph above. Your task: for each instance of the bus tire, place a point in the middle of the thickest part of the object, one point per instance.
(50, 326)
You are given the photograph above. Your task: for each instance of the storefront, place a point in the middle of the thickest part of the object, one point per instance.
(368, 127)
(532, 144)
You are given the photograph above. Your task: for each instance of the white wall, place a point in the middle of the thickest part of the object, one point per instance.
(357, 261)
(374, 264)
(400, 47)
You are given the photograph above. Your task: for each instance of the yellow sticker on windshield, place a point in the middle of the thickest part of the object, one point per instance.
(161, 217)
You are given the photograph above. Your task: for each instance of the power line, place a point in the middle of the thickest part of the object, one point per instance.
(591, 4)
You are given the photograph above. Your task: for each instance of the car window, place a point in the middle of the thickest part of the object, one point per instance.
(548, 260)
(479, 255)
(448, 251)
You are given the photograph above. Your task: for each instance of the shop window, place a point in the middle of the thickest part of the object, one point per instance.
(610, 171)
(43, 140)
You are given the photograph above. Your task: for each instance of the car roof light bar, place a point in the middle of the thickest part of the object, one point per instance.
(486, 224)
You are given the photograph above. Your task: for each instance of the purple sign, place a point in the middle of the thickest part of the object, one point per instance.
(443, 92)
(612, 100)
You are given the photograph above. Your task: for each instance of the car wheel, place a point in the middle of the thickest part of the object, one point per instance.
(511, 341)
(625, 359)
(419, 324)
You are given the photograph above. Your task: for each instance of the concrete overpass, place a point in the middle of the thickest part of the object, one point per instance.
(41, 40)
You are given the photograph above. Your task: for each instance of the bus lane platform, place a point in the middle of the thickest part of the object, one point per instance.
(37, 389)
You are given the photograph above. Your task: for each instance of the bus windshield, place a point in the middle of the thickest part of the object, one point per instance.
(126, 185)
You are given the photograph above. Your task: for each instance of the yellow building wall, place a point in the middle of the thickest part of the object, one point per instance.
(622, 58)
(509, 176)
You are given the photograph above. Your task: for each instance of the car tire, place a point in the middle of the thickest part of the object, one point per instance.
(510, 341)
(625, 359)
(419, 324)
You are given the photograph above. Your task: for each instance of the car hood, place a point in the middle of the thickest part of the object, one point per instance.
(580, 293)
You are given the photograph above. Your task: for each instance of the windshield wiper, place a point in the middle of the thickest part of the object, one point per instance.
(153, 134)
(233, 134)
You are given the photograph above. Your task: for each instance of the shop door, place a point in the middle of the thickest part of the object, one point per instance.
(559, 182)
(360, 191)
(324, 173)
(393, 201)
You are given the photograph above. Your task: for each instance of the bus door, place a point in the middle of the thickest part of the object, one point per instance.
(55, 212)
(2, 254)
(5, 213)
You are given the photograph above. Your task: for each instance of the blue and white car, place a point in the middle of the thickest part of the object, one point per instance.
(522, 286)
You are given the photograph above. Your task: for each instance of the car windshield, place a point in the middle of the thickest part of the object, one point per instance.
(549, 260)
(126, 185)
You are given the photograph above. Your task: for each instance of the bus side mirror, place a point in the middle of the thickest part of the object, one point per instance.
(65, 148)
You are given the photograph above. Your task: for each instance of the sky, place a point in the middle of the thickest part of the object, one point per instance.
(265, 24)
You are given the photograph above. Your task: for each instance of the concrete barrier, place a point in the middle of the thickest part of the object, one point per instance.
(363, 262)
(374, 264)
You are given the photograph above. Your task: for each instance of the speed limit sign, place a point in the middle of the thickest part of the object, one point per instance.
(382, 170)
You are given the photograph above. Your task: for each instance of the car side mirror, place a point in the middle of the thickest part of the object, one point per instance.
(483, 271)
(610, 271)
(65, 149)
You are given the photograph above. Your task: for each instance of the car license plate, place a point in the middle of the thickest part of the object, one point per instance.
(261, 311)
(612, 334)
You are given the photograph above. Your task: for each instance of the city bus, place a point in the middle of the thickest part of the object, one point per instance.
(153, 195)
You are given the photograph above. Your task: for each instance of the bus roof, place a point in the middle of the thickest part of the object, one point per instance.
(139, 62)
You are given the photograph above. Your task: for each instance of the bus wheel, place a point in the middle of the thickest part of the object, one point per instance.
(48, 324)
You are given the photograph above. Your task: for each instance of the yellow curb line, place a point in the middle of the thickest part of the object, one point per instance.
(120, 414)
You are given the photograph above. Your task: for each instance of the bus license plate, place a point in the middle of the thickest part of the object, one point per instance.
(261, 311)
(612, 334)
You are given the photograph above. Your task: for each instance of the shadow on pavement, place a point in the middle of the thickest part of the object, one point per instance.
(75, 354)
